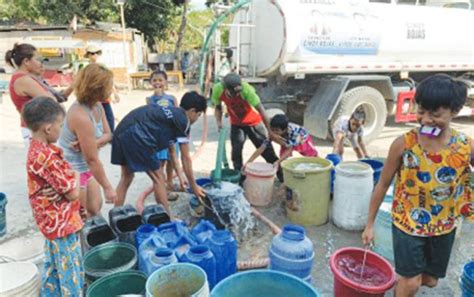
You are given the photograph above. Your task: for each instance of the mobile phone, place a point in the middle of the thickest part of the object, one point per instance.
(430, 131)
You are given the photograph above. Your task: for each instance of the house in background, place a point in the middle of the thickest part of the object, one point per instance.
(62, 45)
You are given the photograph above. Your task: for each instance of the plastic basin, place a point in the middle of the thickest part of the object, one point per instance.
(259, 283)
(344, 286)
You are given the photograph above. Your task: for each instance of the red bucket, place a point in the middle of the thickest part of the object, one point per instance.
(344, 286)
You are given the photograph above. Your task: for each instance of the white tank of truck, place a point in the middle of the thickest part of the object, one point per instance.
(287, 37)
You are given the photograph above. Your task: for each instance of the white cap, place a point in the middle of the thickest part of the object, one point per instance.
(93, 49)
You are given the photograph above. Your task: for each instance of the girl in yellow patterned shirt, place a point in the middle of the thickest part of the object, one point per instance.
(432, 168)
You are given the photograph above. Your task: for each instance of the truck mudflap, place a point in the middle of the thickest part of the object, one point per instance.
(406, 108)
(323, 104)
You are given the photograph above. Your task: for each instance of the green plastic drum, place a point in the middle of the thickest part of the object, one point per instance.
(119, 283)
(308, 182)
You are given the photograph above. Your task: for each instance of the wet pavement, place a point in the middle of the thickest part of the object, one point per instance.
(23, 241)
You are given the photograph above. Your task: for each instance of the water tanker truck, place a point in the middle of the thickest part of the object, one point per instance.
(318, 60)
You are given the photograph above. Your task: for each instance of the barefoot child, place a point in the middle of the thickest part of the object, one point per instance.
(159, 81)
(352, 129)
(148, 129)
(293, 138)
(432, 168)
(53, 190)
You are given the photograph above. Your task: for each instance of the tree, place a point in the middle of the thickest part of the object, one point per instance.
(181, 31)
(59, 11)
(152, 17)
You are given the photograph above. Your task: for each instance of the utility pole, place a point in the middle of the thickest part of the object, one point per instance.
(121, 3)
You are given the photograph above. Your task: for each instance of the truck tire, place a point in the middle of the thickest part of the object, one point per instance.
(271, 112)
(373, 104)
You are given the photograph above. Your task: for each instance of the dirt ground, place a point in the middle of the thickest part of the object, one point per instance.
(23, 240)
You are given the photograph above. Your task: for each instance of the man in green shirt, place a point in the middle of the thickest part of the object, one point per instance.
(247, 117)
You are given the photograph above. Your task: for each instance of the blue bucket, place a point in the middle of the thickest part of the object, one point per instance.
(467, 280)
(335, 159)
(3, 214)
(377, 166)
(259, 283)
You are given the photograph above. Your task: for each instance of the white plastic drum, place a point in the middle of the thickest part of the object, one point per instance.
(353, 188)
(258, 184)
(19, 279)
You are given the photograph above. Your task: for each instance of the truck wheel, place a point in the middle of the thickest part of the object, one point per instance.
(271, 112)
(372, 102)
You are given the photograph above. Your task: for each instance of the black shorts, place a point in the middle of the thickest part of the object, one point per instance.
(415, 255)
(131, 151)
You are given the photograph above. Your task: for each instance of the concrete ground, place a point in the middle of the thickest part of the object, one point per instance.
(24, 242)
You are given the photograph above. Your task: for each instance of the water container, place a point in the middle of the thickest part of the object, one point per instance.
(263, 283)
(352, 192)
(125, 220)
(335, 159)
(171, 232)
(258, 184)
(383, 231)
(124, 283)
(183, 244)
(224, 247)
(203, 231)
(96, 231)
(148, 248)
(308, 182)
(347, 278)
(108, 258)
(3, 214)
(155, 214)
(377, 167)
(161, 257)
(144, 232)
(292, 252)
(19, 279)
(180, 279)
(467, 279)
(202, 256)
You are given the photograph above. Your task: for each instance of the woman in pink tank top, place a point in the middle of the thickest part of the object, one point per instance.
(25, 83)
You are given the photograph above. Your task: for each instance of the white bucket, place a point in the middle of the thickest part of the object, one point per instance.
(19, 279)
(353, 188)
(28, 248)
(258, 184)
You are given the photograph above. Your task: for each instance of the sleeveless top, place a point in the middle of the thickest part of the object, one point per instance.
(76, 159)
(18, 100)
(164, 100)
(433, 189)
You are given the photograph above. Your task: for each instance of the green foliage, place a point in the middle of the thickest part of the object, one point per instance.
(197, 23)
(152, 17)
(58, 12)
